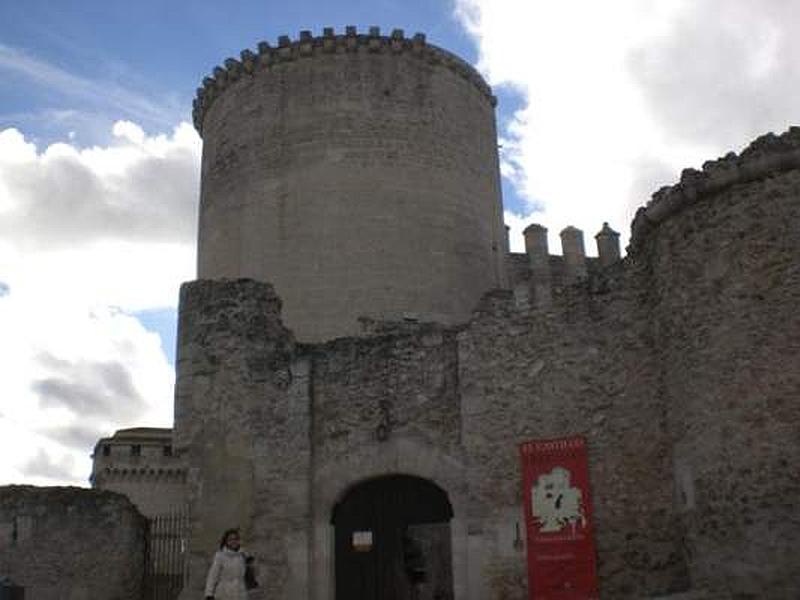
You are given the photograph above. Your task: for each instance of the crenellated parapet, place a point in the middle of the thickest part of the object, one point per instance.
(767, 155)
(307, 46)
(535, 275)
(139, 474)
(139, 463)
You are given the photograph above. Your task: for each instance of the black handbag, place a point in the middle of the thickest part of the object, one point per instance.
(249, 573)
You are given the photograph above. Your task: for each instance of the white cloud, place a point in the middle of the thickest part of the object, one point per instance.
(621, 96)
(88, 235)
(139, 189)
(725, 73)
(43, 466)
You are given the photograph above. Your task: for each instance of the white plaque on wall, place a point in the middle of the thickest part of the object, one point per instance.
(362, 541)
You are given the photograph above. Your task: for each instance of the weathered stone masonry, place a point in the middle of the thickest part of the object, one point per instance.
(139, 463)
(679, 364)
(726, 285)
(358, 174)
(236, 422)
(71, 543)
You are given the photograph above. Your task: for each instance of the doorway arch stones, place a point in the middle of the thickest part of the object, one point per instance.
(400, 455)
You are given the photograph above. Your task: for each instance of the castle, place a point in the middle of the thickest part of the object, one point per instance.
(139, 463)
(358, 174)
(361, 350)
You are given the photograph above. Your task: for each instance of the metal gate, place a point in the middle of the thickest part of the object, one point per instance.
(166, 555)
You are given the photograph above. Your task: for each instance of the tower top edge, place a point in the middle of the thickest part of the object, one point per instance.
(766, 156)
(266, 57)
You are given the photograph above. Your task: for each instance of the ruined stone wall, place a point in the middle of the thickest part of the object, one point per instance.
(153, 493)
(725, 275)
(678, 365)
(71, 543)
(238, 424)
(446, 404)
(368, 390)
(274, 436)
(459, 401)
(381, 405)
(358, 174)
(582, 366)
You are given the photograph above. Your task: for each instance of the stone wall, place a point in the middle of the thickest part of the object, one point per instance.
(386, 404)
(466, 397)
(366, 389)
(235, 423)
(678, 364)
(152, 493)
(140, 464)
(71, 543)
(446, 404)
(584, 366)
(725, 275)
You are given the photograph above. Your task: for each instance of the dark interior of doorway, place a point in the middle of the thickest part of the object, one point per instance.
(393, 541)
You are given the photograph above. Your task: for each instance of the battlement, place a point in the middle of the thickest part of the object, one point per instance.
(138, 452)
(110, 475)
(535, 276)
(574, 259)
(267, 57)
(767, 155)
(140, 463)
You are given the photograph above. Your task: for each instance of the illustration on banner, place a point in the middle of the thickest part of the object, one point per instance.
(555, 504)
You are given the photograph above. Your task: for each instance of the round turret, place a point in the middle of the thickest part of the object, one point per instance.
(358, 174)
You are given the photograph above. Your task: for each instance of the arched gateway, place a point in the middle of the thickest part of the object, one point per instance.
(393, 541)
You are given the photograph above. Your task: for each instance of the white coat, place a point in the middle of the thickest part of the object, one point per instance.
(225, 579)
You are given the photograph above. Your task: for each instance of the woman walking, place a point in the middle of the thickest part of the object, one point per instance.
(226, 577)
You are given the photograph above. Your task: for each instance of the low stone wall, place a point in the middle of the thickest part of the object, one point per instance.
(66, 543)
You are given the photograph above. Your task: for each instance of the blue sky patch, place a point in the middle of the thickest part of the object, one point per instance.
(164, 322)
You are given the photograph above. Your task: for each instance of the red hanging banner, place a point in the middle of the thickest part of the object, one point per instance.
(558, 519)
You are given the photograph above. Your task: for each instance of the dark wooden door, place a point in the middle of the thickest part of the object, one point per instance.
(407, 520)
(434, 543)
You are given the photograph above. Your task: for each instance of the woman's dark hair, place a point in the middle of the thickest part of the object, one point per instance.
(225, 536)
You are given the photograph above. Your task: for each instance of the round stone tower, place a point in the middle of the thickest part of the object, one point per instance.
(358, 174)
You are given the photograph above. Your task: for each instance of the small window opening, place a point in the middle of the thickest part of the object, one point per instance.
(136, 450)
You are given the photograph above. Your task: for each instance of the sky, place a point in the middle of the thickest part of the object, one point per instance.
(600, 104)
